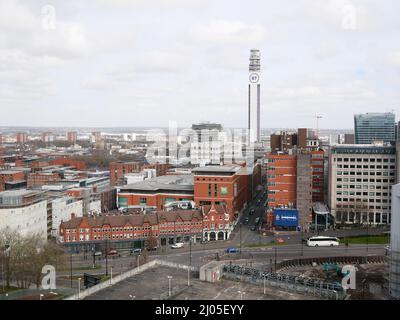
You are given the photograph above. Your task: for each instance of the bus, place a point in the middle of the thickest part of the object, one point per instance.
(322, 241)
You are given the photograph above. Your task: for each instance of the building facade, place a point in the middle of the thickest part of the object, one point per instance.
(24, 211)
(360, 182)
(372, 127)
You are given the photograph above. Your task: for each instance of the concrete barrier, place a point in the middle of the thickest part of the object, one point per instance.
(85, 293)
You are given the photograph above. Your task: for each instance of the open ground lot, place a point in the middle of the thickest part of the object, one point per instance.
(153, 285)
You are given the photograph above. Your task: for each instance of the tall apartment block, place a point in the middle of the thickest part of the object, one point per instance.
(22, 137)
(372, 127)
(72, 136)
(360, 183)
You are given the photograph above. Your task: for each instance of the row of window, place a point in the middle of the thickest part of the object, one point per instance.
(365, 166)
(364, 200)
(378, 160)
(365, 173)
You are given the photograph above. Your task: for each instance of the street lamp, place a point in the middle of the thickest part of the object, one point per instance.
(169, 285)
(79, 287)
(41, 296)
(264, 284)
(138, 262)
(240, 237)
(70, 265)
(242, 293)
(190, 260)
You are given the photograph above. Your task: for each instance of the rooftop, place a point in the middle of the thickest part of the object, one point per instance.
(217, 169)
(170, 182)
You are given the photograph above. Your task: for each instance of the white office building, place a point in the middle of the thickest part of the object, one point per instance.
(62, 209)
(360, 183)
(24, 211)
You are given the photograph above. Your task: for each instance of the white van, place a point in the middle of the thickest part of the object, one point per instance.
(322, 241)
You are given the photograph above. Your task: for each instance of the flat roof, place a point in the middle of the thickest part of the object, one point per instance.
(168, 183)
(217, 169)
(19, 193)
(10, 171)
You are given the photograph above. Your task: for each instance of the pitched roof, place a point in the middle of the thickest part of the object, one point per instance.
(134, 219)
(218, 208)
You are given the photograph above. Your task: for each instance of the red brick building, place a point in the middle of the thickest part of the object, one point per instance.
(216, 222)
(222, 185)
(166, 227)
(157, 192)
(72, 136)
(68, 162)
(21, 137)
(118, 170)
(41, 178)
(10, 176)
(281, 171)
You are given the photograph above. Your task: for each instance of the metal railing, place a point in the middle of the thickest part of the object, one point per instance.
(299, 284)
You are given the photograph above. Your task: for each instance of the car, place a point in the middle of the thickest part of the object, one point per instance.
(112, 252)
(246, 221)
(252, 212)
(152, 249)
(177, 245)
(232, 250)
(98, 253)
(280, 240)
(253, 228)
(136, 251)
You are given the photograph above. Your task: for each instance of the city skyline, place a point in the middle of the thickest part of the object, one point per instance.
(131, 64)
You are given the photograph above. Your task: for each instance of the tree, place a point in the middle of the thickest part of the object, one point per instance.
(26, 257)
(151, 242)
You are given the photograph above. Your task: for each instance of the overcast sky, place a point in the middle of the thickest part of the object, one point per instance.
(144, 63)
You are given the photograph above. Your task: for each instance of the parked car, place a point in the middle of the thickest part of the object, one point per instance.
(112, 252)
(232, 250)
(253, 228)
(136, 251)
(151, 249)
(252, 212)
(177, 245)
(246, 221)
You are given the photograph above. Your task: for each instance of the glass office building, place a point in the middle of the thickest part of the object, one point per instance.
(370, 127)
